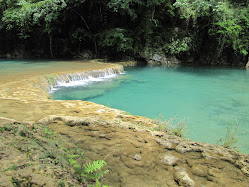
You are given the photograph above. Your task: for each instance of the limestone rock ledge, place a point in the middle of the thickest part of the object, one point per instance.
(138, 156)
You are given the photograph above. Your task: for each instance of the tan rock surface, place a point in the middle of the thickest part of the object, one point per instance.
(135, 154)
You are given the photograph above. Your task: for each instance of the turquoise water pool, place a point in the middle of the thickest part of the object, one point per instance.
(207, 99)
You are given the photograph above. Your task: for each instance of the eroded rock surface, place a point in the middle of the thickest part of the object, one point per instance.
(138, 159)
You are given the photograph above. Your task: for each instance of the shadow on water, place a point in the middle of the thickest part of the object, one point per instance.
(41, 61)
(195, 70)
(205, 71)
(27, 62)
(92, 97)
(68, 97)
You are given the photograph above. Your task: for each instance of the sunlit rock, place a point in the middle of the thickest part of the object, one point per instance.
(170, 160)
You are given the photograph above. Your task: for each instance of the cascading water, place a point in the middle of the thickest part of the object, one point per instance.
(83, 78)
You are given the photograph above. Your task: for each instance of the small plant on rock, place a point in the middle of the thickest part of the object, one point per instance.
(230, 138)
(179, 129)
(86, 172)
(51, 79)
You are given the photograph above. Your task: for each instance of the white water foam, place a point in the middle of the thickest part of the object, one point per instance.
(85, 78)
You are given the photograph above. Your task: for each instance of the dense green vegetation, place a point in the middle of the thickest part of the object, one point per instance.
(210, 31)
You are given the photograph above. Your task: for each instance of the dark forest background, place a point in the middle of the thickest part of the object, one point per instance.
(203, 31)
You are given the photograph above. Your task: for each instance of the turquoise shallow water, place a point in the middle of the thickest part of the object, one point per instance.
(15, 66)
(207, 99)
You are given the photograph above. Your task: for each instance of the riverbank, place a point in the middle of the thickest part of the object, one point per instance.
(136, 154)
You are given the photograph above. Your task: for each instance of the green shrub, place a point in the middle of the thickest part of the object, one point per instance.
(118, 39)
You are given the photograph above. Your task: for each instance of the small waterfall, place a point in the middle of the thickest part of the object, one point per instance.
(83, 78)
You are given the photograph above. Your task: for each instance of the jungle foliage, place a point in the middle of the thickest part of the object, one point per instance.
(211, 31)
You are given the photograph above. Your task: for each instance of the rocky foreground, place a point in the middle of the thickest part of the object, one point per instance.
(35, 155)
(41, 141)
